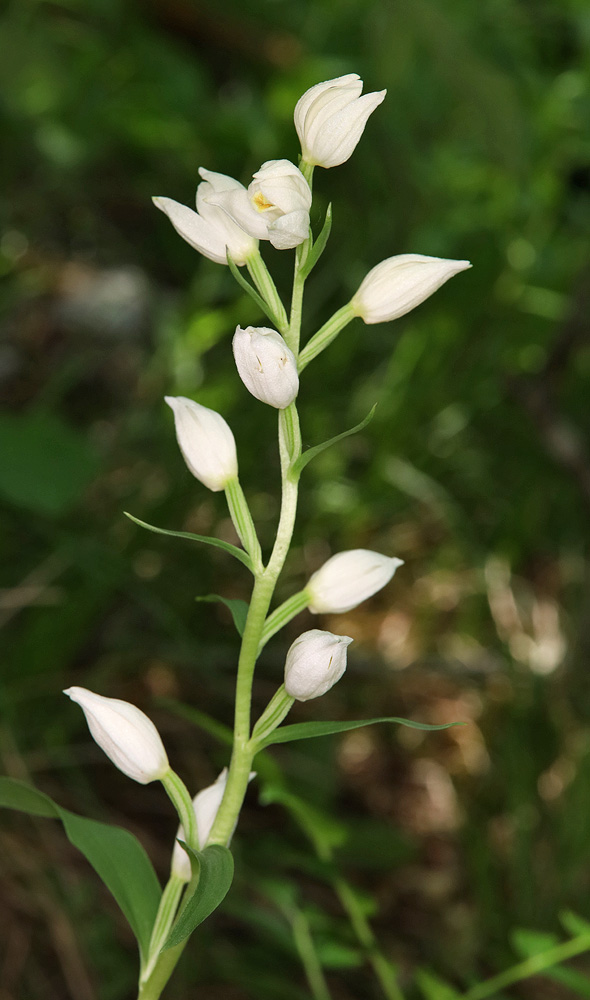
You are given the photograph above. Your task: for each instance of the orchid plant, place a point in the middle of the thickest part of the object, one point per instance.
(229, 222)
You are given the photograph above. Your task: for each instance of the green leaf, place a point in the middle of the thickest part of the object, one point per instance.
(264, 306)
(307, 456)
(115, 854)
(305, 730)
(319, 245)
(239, 609)
(216, 871)
(46, 465)
(226, 546)
(434, 988)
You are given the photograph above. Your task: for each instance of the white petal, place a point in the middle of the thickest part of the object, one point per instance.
(289, 231)
(341, 90)
(337, 139)
(201, 235)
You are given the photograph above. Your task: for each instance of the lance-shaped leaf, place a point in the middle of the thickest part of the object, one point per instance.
(215, 874)
(238, 608)
(217, 542)
(307, 456)
(306, 730)
(319, 246)
(115, 854)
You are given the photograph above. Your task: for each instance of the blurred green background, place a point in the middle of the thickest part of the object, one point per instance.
(475, 470)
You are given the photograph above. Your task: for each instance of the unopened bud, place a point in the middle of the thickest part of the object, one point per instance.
(315, 661)
(347, 579)
(125, 734)
(399, 284)
(266, 366)
(206, 442)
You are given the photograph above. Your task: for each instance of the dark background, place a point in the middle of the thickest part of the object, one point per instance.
(475, 471)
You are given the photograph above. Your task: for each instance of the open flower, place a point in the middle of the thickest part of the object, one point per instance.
(330, 118)
(347, 579)
(266, 366)
(275, 206)
(399, 284)
(206, 442)
(210, 230)
(315, 661)
(125, 734)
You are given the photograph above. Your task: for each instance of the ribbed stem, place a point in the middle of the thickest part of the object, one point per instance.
(180, 797)
(243, 523)
(325, 335)
(268, 290)
(163, 922)
(283, 614)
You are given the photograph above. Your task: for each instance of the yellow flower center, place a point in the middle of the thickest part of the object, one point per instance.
(261, 203)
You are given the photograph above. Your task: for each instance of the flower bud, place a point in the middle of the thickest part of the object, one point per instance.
(347, 579)
(315, 661)
(266, 366)
(275, 207)
(330, 118)
(206, 805)
(125, 734)
(206, 442)
(399, 284)
(210, 230)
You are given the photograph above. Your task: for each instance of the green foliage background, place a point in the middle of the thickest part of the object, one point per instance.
(475, 470)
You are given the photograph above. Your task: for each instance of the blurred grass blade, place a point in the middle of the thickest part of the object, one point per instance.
(226, 546)
(434, 988)
(216, 872)
(115, 854)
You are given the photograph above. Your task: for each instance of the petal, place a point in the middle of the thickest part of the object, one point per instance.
(289, 231)
(341, 89)
(201, 235)
(236, 204)
(337, 138)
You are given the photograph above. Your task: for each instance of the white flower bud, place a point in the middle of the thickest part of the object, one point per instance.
(266, 366)
(315, 661)
(347, 579)
(125, 734)
(330, 118)
(206, 442)
(275, 207)
(210, 230)
(206, 805)
(399, 284)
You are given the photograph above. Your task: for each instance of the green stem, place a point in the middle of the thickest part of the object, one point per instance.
(243, 523)
(274, 713)
(163, 922)
(530, 967)
(326, 334)
(283, 614)
(263, 280)
(264, 585)
(181, 800)
(152, 988)
(383, 969)
(309, 956)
